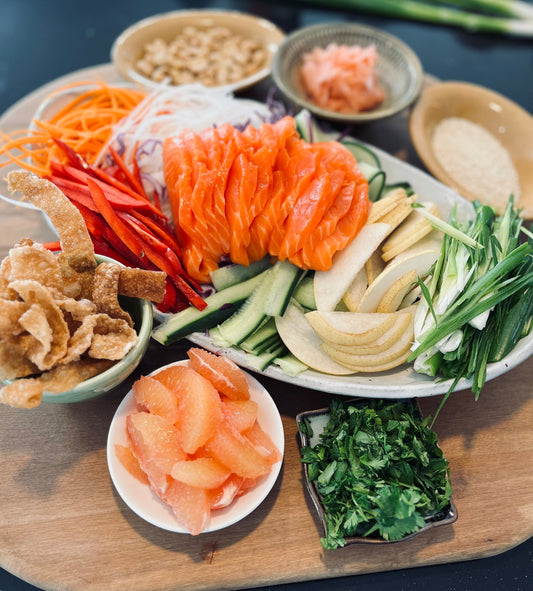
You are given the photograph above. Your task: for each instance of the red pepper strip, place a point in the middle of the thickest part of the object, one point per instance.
(53, 246)
(74, 191)
(169, 300)
(119, 199)
(94, 221)
(104, 249)
(143, 232)
(135, 184)
(162, 230)
(114, 241)
(108, 213)
(143, 204)
(79, 164)
(164, 264)
(72, 156)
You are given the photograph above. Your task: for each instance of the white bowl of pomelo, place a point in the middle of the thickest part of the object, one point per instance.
(196, 446)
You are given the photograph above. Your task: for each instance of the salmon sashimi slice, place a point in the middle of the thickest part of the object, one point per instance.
(216, 158)
(299, 174)
(309, 210)
(347, 228)
(177, 168)
(240, 189)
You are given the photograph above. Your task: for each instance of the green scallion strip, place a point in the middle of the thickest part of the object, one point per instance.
(429, 12)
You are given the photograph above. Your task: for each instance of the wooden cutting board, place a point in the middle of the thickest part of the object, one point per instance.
(63, 526)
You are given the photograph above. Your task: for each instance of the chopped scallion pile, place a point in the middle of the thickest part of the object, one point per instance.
(479, 302)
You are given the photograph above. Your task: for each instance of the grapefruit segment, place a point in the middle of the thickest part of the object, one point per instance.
(263, 443)
(200, 472)
(225, 375)
(156, 444)
(128, 460)
(191, 505)
(173, 377)
(236, 452)
(199, 412)
(156, 398)
(224, 495)
(241, 413)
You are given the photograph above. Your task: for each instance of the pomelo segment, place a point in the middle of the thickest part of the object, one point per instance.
(199, 412)
(128, 460)
(200, 472)
(242, 414)
(156, 444)
(225, 494)
(225, 375)
(156, 398)
(173, 377)
(190, 505)
(236, 452)
(263, 443)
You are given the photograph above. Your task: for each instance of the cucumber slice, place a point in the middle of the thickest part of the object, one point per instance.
(361, 152)
(309, 129)
(251, 314)
(262, 335)
(286, 277)
(263, 360)
(220, 306)
(376, 180)
(407, 187)
(304, 293)
(290, 365)
(229, 275)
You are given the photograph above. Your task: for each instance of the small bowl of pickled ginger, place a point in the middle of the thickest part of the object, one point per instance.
(347, 72)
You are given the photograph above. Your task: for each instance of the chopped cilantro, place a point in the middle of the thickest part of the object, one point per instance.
(378, 471)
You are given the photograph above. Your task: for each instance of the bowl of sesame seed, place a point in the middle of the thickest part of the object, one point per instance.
(477, 142)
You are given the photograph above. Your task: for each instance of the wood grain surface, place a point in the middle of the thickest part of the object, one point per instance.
(63, 526)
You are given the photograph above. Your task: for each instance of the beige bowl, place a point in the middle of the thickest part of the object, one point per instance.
(129, 46)
(511, 125)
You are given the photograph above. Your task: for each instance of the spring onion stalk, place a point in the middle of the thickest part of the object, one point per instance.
(429, 12)
(479, 301)
(508, 8)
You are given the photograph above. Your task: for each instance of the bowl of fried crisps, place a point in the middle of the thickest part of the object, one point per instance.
(101, 350)
(74, 324)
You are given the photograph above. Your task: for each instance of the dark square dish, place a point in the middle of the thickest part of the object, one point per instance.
(318, 419)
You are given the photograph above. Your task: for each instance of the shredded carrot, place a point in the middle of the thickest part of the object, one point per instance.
(85, 124)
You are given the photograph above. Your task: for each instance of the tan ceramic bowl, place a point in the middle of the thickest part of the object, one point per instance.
(505, 120)
(129, 46)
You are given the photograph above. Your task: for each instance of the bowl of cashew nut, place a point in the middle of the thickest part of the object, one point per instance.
(216, 48)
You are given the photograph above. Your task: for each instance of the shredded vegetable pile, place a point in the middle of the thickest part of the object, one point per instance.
(84, 123)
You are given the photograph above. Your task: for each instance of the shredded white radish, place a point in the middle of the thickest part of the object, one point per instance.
(167, 112)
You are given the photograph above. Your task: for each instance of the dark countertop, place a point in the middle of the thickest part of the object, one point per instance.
(42, 41)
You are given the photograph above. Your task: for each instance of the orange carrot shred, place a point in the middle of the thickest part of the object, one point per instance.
(85, 124)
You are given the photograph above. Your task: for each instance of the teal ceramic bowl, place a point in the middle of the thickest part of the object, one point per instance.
(141, 312)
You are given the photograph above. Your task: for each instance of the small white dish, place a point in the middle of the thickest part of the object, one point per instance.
(146, 504)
